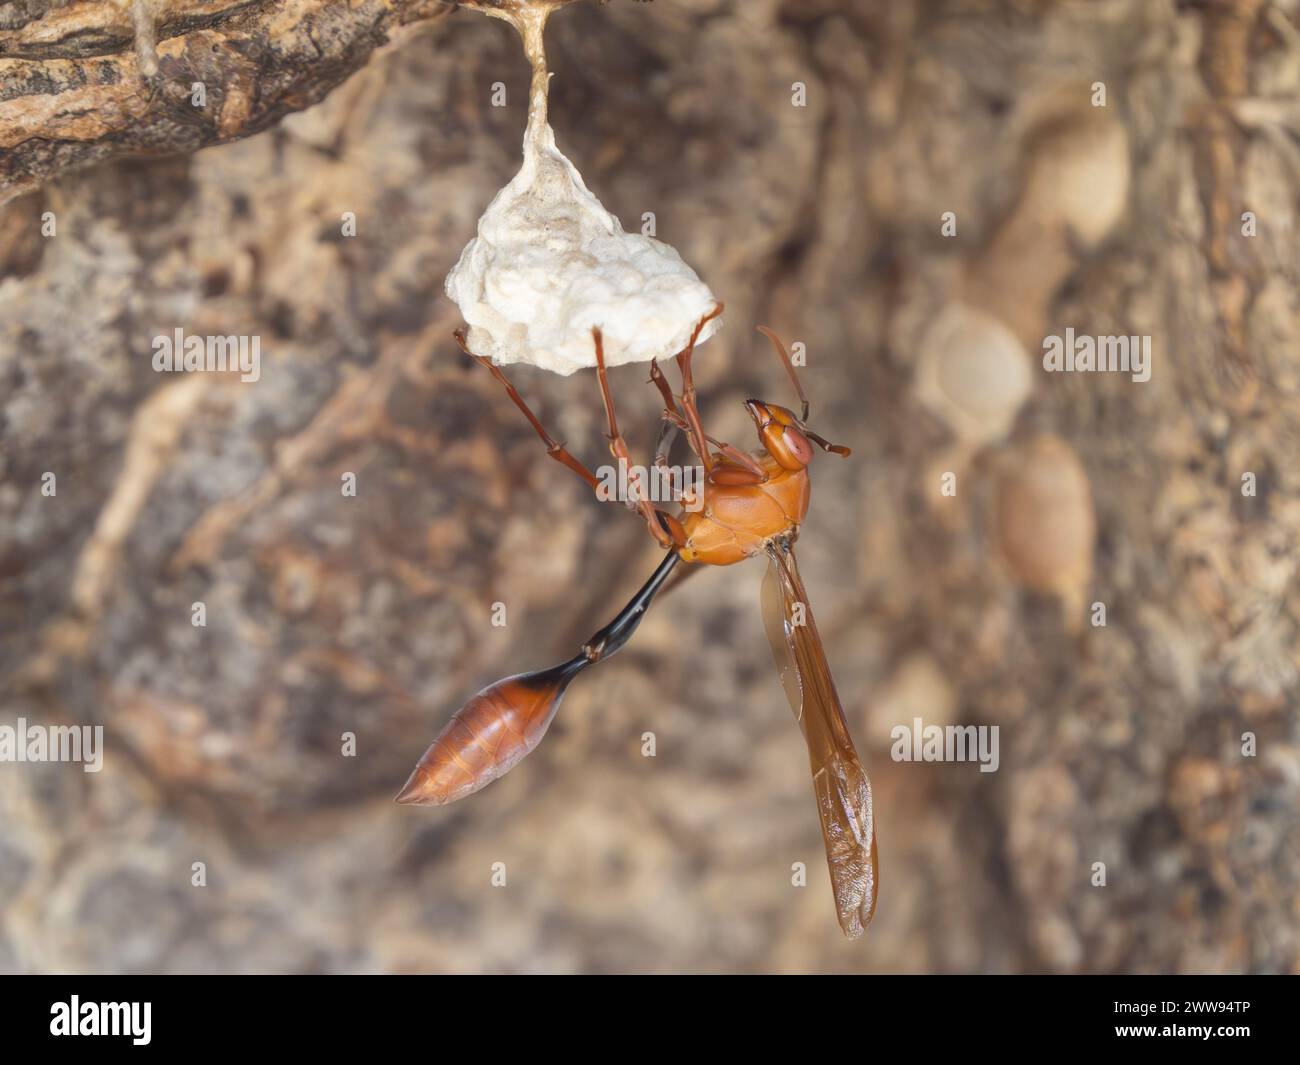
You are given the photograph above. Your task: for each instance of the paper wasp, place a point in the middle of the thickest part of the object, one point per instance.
(753, 505)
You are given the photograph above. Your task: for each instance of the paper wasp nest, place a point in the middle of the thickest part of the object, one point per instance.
(549, 262)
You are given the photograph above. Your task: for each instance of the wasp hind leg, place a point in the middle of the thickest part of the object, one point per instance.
(554, 448)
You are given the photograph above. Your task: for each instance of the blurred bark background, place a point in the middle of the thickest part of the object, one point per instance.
(326, 614)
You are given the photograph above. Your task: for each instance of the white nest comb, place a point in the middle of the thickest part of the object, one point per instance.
(549, 263)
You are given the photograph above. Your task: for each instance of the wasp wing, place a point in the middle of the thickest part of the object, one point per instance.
(840, 785)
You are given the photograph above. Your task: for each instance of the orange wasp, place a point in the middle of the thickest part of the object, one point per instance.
(753, 504)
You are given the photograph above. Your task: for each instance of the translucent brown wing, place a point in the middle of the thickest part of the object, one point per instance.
(840, 785)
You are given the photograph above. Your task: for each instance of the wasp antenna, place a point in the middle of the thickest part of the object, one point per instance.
(784, 356)
(826, 445)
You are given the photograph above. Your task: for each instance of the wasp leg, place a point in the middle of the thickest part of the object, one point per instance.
(752, 470)
(667, 431)
(554, 448)
(618, 448)
(688, 390)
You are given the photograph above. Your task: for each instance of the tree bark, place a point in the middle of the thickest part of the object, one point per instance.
(85, 82)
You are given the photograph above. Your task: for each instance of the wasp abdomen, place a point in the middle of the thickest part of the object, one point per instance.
(488, 736)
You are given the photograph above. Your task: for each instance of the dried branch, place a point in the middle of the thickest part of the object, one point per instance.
(83, 82)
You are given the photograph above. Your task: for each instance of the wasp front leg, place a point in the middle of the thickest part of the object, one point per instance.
(689, 403)
(741, 468)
